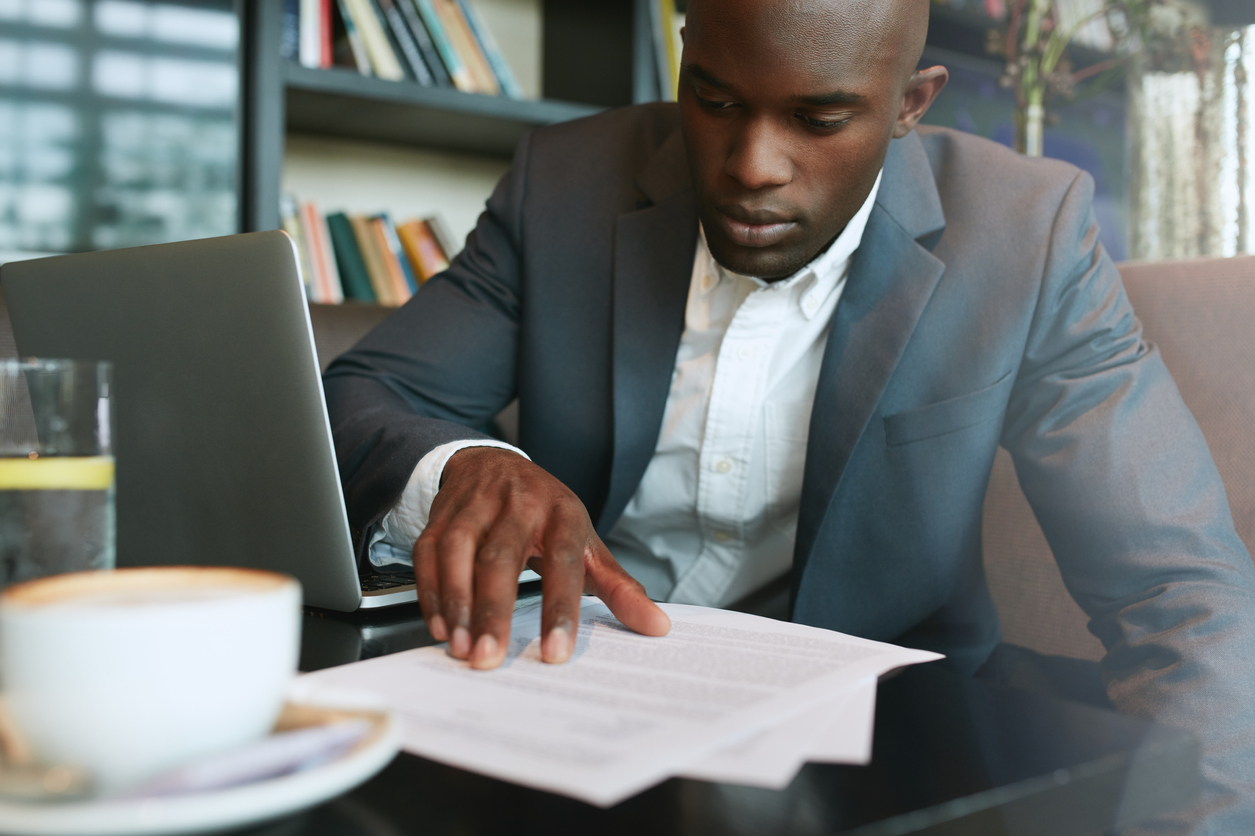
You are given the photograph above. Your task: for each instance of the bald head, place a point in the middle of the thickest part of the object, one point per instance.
(892, 30)
(788, 107)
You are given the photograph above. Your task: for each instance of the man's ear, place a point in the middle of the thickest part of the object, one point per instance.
(921, 89)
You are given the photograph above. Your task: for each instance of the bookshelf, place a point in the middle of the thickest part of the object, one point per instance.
(596, 55)
(343, 103)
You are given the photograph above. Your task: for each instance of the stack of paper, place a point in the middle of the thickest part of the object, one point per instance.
(724, 697)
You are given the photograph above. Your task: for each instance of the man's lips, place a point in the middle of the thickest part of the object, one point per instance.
(753, 229)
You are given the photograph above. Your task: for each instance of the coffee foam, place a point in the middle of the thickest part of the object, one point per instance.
(143, 586)
(131, 598)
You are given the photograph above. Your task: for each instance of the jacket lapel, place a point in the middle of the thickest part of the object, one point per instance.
(892, 276)
(654, 249)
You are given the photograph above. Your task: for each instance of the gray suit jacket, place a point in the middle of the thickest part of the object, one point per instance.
(980, 310)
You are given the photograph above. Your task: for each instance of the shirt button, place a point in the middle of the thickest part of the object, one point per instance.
(744, 353)
(723, 465)
(810, 304)
(722, 536)
(708, 281)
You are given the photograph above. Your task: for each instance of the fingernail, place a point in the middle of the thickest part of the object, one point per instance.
(557, 645)
(460, 644)
(485, 651)
(439, 631)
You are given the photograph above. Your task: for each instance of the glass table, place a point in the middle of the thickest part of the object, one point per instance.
(951, 755)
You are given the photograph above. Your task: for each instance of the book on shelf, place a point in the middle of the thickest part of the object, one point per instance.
(391, 35)
(376, 269)
(422, 39)
(348, 48)
(362, 258)
(444, 239)
(422, 248)
(310, 33)
(290, 34)
(401, 292)
(410, 278)
(459, 73)
(325, 52)
(353, 274)
(324, 281)
(443, 43)
(496, 59)
(383, 61)
(404, 40)
(467, 47)
(398, 291)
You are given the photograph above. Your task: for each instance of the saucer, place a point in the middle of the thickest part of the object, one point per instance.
(218, 809)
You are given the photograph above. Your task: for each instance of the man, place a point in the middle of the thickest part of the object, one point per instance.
(777, 329)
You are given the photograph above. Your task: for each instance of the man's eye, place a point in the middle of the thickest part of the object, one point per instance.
(714, 104)
(823, 123)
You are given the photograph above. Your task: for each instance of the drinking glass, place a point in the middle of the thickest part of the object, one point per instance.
(56, 468)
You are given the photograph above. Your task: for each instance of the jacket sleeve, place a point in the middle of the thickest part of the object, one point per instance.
(439, 369)
(1121, 480)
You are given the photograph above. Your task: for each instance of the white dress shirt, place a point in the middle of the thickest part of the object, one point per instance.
(715, 515)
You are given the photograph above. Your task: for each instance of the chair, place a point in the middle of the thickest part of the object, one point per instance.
(1200, 312)
(338, 327)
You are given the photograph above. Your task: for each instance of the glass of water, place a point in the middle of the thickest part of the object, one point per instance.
(56, 468)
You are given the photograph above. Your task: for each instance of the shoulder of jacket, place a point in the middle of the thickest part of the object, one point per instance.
(954, 153)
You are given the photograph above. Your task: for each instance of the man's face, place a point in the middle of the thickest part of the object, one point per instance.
(787, 108)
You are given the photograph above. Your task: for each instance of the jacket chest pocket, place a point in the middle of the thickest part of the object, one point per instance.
(948, 416)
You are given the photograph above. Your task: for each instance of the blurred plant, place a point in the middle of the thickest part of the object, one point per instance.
(1034, 41)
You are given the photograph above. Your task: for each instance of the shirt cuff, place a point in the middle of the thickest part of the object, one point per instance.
(392, 541)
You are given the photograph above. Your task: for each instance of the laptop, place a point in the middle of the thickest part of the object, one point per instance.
(223, 445)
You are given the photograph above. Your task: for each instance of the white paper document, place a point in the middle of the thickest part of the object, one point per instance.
(724, 696)
(838, 730)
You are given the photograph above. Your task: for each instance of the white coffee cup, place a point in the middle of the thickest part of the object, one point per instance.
(132, 672)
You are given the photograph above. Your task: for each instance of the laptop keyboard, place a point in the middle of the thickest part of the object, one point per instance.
(392, 580)
(381, 581)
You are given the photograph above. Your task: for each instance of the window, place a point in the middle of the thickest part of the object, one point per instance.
(118, 122)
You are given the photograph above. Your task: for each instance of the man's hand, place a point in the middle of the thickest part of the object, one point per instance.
(495, 514)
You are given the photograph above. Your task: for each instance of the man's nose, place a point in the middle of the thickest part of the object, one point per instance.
(759, 156)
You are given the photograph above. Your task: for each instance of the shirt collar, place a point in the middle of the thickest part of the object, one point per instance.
(816, 279)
